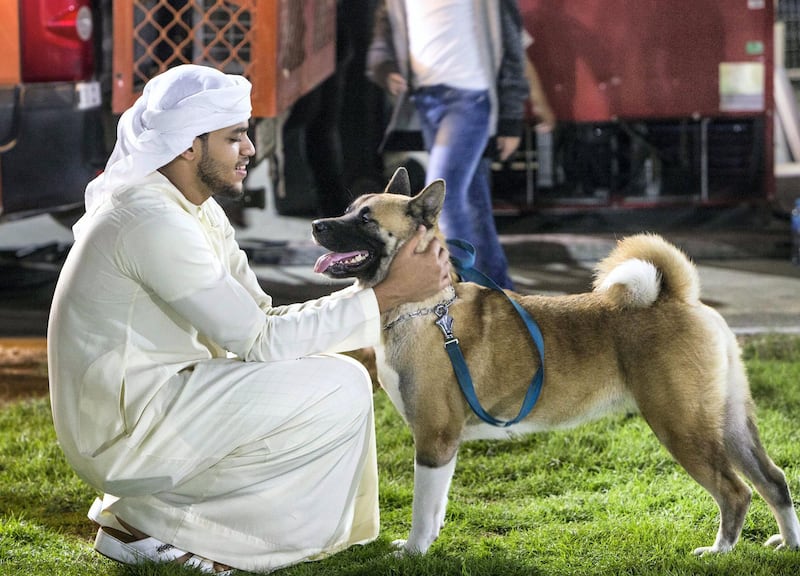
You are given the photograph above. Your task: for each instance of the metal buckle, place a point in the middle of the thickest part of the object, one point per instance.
(445, 323)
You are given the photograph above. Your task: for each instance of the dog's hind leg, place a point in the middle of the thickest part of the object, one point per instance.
(701, 451)
(744, 446)
(431, 485)
(732, 497)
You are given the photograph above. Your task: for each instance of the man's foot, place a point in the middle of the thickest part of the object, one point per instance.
(124, 543)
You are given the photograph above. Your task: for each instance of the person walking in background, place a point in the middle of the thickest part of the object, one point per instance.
(460, 66)
(317, 114)
(223, 431)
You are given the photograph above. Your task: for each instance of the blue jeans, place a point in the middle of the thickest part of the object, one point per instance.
(455, 127)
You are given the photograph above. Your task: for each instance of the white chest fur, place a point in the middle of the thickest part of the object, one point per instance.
(390, 381)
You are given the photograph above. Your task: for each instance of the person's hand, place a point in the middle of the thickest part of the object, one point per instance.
(414, 276)
(396, 84)
(506, 146)
(546, 118)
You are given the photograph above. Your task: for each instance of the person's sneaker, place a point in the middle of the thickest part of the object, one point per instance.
(128, 550)
(122, 543)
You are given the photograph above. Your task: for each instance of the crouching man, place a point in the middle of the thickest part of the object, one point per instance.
(223, 431)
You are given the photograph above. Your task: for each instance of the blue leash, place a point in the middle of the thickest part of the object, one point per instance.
(464, 268)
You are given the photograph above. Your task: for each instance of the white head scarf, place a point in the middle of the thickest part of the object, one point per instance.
(175, 107)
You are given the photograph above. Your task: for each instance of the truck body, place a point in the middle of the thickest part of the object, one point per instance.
(51, 120)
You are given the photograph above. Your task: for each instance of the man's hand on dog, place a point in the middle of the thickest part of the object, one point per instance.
(414, 276)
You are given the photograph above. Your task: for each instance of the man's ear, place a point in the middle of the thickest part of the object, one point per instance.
(190, 153)
(193, 151)
(399, 184)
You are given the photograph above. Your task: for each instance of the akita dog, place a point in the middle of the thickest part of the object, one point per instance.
(640, 340)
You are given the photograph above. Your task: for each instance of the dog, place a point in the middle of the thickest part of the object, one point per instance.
(641, 340)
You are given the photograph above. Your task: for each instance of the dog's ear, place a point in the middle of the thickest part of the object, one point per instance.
(426, 205)
(399, 184)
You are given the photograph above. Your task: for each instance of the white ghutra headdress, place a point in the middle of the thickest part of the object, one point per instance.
(175, 107)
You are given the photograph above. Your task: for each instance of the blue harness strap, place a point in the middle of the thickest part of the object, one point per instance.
(464, 268)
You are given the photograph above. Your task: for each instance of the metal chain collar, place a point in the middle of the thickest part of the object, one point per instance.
(421, 312)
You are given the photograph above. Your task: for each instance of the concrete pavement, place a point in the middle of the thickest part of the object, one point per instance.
(744, 267)
(754, 291)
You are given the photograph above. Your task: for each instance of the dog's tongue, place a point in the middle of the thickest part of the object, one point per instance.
(327, 260)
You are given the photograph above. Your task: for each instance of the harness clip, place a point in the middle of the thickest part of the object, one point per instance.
(445, 323)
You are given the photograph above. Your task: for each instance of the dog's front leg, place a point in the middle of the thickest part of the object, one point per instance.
(431, 486)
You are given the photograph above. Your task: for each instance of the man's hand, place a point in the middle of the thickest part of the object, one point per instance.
(414, 276)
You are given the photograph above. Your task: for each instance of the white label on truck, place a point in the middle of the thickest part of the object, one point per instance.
(88, 95)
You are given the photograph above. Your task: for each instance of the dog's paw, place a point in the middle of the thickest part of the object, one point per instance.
(402, 548)
(715, 549)
(399, 544)
(778, 543)
(775, 541)
(399, 548)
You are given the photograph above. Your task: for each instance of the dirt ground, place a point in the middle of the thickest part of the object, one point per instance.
(23, 364)
(23, 368)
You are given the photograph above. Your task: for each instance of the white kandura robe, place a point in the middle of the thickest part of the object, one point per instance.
(258, 461)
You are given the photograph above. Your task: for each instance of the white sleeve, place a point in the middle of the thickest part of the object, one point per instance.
(172, 258)
(227, 314)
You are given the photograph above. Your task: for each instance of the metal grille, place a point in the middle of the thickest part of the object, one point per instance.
(284, 47)
(788, 12)
(169, 32)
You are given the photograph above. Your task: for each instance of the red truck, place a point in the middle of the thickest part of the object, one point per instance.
(51, 106)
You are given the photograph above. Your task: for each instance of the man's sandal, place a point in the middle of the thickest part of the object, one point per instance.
(123, 543)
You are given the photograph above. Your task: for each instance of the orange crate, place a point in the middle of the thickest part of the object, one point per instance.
(284, 47)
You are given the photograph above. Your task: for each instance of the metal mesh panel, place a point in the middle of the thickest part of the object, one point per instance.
(170, 32)
(789, 13)
(284, 47)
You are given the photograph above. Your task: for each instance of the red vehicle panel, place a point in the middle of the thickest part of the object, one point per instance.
(57, 40)
(50, 100)
(603, 59)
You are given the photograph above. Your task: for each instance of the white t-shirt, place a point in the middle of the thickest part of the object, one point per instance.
(444, 44)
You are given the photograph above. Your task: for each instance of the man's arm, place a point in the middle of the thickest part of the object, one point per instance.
(512, 84)
(171, 258)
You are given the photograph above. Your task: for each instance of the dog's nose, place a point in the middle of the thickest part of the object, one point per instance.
(319, 226)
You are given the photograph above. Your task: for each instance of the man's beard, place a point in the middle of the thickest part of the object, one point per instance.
(209, 171)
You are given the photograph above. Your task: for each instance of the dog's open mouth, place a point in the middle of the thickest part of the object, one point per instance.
(342, 264)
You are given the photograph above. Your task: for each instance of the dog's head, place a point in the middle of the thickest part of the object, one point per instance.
(365, 239)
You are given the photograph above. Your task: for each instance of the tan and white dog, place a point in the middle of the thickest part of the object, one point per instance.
(641, 340)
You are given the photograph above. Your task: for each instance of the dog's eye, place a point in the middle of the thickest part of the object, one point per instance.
(365, 216)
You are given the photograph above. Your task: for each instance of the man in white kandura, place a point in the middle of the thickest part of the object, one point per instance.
(223, 431)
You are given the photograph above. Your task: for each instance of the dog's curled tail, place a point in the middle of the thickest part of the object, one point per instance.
(644, 268)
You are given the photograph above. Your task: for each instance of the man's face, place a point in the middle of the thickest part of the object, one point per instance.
(223, 165)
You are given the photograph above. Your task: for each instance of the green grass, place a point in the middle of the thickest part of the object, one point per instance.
(602, 499)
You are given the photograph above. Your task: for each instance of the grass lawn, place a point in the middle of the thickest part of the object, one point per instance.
(602, 499)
